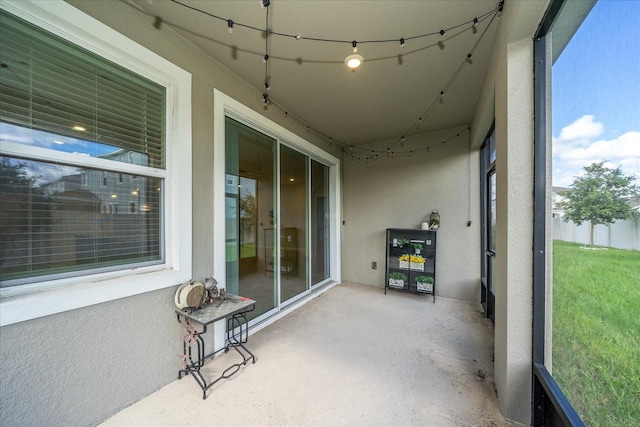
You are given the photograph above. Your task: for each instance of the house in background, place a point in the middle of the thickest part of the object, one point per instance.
(313, 212)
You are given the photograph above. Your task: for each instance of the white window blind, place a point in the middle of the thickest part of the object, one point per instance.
(63, 218)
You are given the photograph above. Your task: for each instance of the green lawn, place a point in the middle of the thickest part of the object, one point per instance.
(596, 332)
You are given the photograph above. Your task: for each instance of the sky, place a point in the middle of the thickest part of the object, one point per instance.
(596, 94)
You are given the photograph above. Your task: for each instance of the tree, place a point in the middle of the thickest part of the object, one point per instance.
(601, 196)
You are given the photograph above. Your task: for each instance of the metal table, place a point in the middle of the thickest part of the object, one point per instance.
(234, 309)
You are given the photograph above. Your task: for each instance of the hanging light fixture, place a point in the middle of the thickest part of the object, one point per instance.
(353, 61)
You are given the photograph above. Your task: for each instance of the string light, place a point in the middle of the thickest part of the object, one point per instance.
(496, 12)
(265, 96)
(266, 3)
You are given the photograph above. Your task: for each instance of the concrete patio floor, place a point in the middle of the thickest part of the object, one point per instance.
(352, 356)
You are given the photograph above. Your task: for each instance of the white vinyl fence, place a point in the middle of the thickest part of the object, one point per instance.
(620, 234)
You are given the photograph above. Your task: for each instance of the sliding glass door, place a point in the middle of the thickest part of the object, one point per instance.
(320, 235)
(293, 223)
(249, 214)
(277, 221)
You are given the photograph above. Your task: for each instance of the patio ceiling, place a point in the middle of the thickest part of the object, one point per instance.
(382, 100)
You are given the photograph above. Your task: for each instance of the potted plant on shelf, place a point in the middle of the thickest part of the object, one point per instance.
(424, 283)
(401, 241)
(416, 262)
(417, 247)
(396, 280)
(434, 220)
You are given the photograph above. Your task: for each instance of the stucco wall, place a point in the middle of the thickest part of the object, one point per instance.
(401, 192)
(508, 93)
(80, 367)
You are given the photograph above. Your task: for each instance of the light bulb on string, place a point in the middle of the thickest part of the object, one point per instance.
(402, 42)
(265, 59)
(475, 23)
(443, 33)
(298, 36)
(354, 44)
(267, 87)
(264, 3)
(230, 26)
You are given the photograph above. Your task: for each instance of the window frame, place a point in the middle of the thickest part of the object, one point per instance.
(29, 301)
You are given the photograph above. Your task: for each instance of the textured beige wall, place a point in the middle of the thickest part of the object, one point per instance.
(400, 192)
(508, 93)
(514, 231)
(79, 367)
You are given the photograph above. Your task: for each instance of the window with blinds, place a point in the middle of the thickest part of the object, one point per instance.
(82, 160)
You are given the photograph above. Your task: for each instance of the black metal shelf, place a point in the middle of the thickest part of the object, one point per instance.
(411, 261)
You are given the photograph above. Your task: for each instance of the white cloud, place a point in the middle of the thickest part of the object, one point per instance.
(575, 148)
(582, 129)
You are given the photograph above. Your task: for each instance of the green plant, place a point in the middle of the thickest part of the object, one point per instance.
(402, 241)
(427, 280)
(397, 276)
(417, 246)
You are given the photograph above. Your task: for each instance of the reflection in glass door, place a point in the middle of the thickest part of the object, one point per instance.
(249, 213)
(293, 223)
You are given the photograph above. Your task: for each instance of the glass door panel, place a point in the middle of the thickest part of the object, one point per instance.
(320, 260)
(293, 223)
(250, 195)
